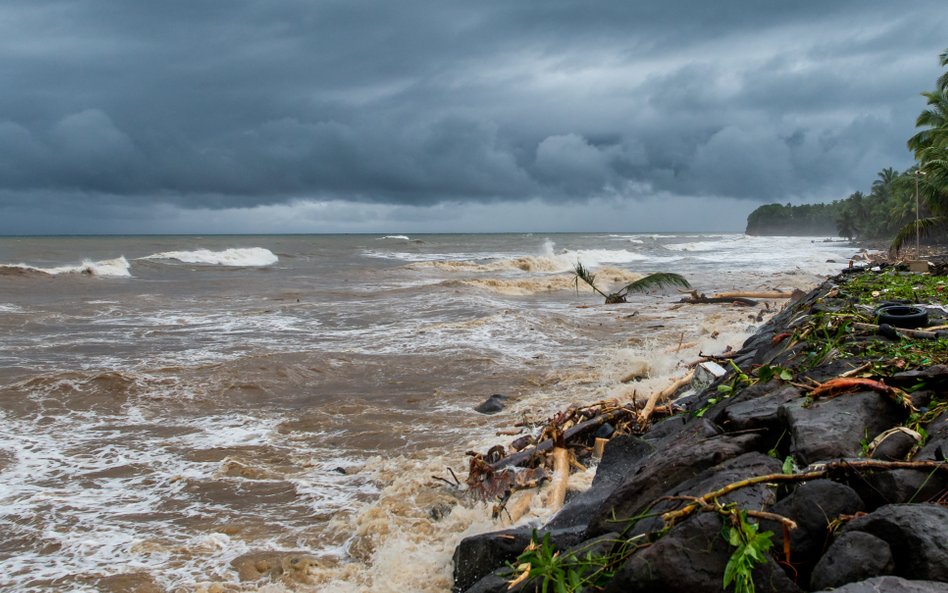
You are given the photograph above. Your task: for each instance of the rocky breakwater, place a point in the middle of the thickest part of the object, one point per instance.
(817, 462)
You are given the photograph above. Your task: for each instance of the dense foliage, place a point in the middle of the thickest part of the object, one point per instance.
(889, 210)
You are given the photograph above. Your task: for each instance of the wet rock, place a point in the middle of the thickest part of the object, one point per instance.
(894, 444)
(666, 429)
(834, 428)
(691, 559)
(936, 448)
(480, 555)
(813, 505)
(756, 407)
(687, 456)
(605, 431)
(492, 404)
(758, 496)
(492, 583)
(853, 557)
(917, 535)
(889, 584)
(878, 488)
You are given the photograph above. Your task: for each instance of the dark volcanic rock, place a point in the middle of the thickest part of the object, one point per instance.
(756, 407)
(690, 559)
(479, 555)
(879, 488)
(834, 428)
(854, 556)
(894, 445)
(491, 405)
(936, 449)
(893, 585)
(917, 535)
(756, 497)
(686, 457)
(813, 505)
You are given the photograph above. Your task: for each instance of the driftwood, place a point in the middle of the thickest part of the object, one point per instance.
(664, 393)
(526, 455)
(560, 479)
(776, 294)
(696, 298)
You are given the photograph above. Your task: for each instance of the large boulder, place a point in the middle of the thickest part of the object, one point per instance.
(890, 584)
(813, 506)
(854, 556)
(685, 457)
(756, 407)
(833, 428)
(691, 559)
(757, 497)
(480, 555)
(917, 535)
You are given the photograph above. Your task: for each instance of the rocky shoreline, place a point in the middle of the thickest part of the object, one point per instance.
(828, 431)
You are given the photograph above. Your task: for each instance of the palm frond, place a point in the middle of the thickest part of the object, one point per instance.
(656, 280)
(906, 233)
(582, 273)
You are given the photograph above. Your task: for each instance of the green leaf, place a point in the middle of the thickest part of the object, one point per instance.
(656, 280)
(788, 465)
(786, 375)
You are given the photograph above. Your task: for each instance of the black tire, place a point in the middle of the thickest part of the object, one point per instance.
(905, 316)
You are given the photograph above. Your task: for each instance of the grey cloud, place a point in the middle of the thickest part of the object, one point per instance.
(200, 104)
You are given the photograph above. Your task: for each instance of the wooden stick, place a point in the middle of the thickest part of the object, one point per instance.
(519, 506)
(753, 295)
(672, 517)
(560, 478)
(696, 298)
(667, 392)
(598, 447)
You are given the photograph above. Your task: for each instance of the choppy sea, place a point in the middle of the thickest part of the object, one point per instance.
(231, 413)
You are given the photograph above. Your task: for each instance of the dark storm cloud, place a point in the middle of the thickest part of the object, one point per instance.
(236, 104)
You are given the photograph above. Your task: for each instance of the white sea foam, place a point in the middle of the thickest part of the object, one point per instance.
(115, 268)
(241, 256)
(398, 237)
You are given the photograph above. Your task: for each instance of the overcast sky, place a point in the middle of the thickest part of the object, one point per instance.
(487, 115)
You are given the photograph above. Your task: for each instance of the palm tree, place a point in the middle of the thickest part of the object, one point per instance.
(656, 280)
(930, 145)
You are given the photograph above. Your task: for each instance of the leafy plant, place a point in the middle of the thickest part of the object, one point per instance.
(656, 280)
(560, 573)
(750, 549)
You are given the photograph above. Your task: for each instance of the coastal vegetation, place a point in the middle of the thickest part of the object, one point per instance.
(895, 200)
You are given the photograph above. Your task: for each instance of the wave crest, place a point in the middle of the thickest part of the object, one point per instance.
(240, 256)
(114, 268)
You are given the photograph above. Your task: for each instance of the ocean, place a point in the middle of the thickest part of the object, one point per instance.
(266, 413)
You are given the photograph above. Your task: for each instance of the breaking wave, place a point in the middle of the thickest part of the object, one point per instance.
(399, 237)
(114, 268)
(243, 257)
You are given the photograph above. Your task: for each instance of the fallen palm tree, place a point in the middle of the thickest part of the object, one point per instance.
(652, 281)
